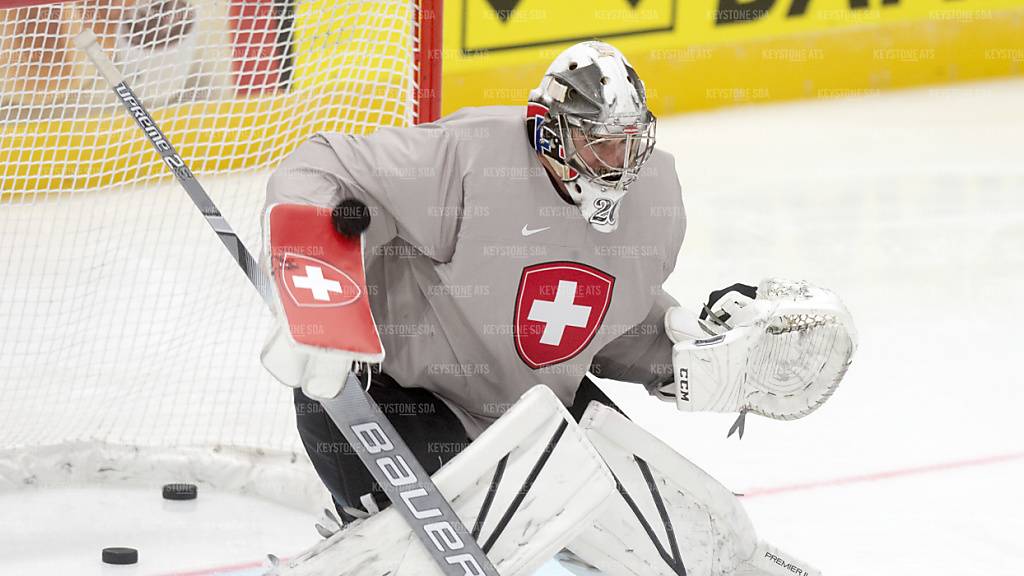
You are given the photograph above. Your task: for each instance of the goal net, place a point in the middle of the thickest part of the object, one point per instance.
(129, 340)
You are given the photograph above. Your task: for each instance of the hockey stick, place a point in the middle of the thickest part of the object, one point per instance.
(389, 460)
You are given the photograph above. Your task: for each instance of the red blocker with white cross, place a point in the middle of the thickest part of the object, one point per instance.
(322, 303)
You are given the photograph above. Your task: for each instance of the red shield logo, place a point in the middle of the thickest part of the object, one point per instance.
(313, 283)
(558, 309)
(320, 283)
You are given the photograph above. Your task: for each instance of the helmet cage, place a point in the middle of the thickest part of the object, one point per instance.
(616, 151)
(611, 153)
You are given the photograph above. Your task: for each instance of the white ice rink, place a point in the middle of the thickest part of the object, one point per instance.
(910, 205)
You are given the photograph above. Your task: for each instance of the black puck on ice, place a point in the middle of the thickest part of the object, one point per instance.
(180, 492)
(120, 555)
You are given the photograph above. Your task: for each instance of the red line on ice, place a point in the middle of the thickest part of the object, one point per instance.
(885, 475)
(218, 570)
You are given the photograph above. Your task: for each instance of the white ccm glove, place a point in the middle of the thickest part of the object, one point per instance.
(780, 355)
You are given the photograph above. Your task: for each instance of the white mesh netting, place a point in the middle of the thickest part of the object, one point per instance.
(123, 321)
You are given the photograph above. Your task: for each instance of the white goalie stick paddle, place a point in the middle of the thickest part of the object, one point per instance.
(383, 452)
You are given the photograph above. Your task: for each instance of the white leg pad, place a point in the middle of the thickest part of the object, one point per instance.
(770, 561)
(670, 518)
(520, 529)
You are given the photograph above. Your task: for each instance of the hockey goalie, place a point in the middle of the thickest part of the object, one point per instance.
(502, 254)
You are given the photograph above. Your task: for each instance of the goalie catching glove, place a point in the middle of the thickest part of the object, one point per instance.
(779, 350)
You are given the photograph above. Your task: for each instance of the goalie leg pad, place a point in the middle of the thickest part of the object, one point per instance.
(525, 487)
(670, 518)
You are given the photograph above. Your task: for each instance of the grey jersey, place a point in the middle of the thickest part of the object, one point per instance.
(483, 280)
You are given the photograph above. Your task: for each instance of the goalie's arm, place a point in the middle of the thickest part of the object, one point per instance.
(642, 355)
(409, 178)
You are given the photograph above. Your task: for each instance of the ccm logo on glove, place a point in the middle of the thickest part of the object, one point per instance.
(684, 384)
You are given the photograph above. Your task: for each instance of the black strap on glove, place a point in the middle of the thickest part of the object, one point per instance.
(715, 296)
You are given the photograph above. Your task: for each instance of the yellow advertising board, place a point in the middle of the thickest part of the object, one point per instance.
(712, 53)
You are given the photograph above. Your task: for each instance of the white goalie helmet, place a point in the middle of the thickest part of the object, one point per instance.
(589, 121)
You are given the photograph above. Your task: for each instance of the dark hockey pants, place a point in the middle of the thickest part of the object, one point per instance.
(428, 426)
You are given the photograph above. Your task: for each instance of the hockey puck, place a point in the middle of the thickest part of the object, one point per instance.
(180, 492)
(121, 556)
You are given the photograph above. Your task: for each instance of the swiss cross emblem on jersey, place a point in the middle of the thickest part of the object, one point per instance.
(559, 307)
(311, 282)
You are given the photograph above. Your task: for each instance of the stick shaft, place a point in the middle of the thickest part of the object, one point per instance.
(177, 165)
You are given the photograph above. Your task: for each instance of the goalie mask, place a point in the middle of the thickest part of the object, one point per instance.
(589, 121)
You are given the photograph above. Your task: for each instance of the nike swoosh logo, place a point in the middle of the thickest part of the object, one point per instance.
(528, 232)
